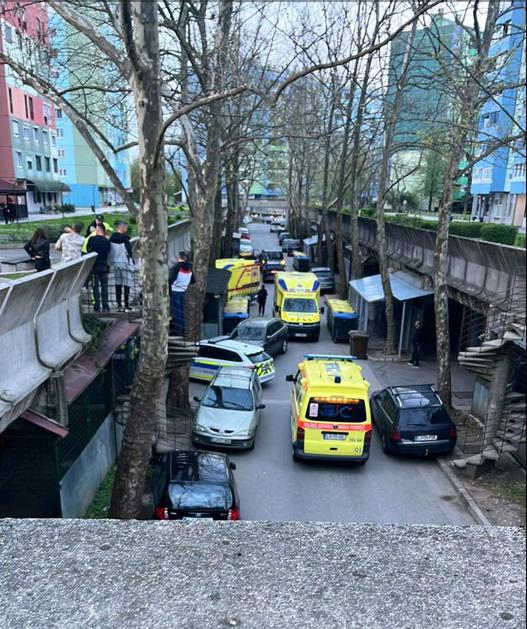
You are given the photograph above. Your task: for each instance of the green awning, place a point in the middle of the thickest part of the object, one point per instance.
(49, 186)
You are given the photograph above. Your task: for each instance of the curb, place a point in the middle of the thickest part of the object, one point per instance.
(466, 498)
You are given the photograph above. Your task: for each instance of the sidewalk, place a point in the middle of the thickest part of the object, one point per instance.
(84, 211)
(499, 495)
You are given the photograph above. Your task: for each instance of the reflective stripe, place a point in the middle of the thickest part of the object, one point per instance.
(336, 426)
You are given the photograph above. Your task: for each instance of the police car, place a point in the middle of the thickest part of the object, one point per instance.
(223, 351)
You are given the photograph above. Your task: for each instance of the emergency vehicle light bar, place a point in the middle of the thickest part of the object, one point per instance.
(348, 359)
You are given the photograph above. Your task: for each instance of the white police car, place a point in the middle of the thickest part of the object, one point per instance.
(223, 351)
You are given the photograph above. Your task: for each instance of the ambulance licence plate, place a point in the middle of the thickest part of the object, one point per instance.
(334, 436)
(301, 334)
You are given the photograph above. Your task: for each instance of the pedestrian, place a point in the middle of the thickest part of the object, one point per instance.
(5, 213)
(122, 263)
(37, 248)
(181, 278)
(11, 212)
(261, 298)
(99, 220)
(100, 245)
(417, 339)
(70, 242)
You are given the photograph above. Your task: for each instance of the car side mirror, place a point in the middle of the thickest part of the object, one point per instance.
(322, 310)
(232, 465)
(196, 399)
(260, 406)
(289, 378)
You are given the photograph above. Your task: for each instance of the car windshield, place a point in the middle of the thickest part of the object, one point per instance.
(245, 244)
(194, 495)
(273, 255)
(249, 333)
(300, 305)
(259, 358)
(331, 412)
(412, 417)
(323, 273)
(228, 398)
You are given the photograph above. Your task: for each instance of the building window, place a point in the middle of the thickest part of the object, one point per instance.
(10, 94)
(26, 106)
(46, 112)
(8, 34)
(35, 134)
(518, 171)
(19, 159)
(29, 162)
(53, 139)
(38, 162)
(60, 133)
(61, 152)
(26, 133)
(45, 136)
(63, 172)
(58, 112)
(31, 111)
(55, 165)
(47, 162)
(16, 129)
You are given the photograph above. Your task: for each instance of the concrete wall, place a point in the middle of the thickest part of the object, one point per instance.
(40, 331)
(81, 482)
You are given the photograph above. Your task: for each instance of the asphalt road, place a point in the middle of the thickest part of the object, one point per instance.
(385, 490)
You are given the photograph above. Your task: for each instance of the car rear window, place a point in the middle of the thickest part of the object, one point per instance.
(332, 411)
(201, 467)
(233, 399)
(249, 333)
(199, 496)
(259, 358)
(414, 417)
(274, 255)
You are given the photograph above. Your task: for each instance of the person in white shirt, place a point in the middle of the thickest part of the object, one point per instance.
(70, 243)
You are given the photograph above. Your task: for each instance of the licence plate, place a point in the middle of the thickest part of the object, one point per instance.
(220, 440)
(302, 334)
(426, 438)
(194, 518)
(334, 436)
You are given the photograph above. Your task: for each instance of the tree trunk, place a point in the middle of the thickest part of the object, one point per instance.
(153, 231)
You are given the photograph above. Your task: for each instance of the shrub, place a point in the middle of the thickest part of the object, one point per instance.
(368, 212)
(468, 230)
(504, 234)
(67, 208)
(132, 220)
(520, 240)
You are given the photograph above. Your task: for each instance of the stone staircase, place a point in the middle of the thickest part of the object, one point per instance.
(502, 337)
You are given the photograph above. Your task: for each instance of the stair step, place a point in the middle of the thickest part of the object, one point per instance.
(495, 343)
(511, 437)
(463, 356)
(514, 396)
(504, 446)
(490, 453)
(480, 349)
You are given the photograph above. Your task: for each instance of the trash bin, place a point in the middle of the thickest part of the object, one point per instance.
(359, 344)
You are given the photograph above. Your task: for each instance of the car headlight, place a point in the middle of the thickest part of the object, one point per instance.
(200, 428)
(244, 433)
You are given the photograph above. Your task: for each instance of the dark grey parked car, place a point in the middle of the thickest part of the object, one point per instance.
(325, 277)
(412, 420)
(266, 332)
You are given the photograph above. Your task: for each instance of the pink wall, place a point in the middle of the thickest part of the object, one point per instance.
(28, 16)
(19, 108)
(7, 170)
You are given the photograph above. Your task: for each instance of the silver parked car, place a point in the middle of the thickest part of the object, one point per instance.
(229, 411)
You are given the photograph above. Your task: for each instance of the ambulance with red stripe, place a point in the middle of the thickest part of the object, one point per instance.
(330, 410)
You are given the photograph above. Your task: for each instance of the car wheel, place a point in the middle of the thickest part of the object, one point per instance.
(385, 446)
(283, 349)
(294, 455)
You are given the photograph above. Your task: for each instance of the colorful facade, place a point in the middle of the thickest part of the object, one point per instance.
(498, 181)
(29, 166)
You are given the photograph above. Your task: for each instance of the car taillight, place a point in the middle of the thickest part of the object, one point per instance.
(452, 432)
(161, 513)
(234, 514)
(300, 433)
(367, 436)
(395, 435)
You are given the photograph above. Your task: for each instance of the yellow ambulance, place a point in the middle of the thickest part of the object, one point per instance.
(296, 302)
(330, 410)
(245, 276)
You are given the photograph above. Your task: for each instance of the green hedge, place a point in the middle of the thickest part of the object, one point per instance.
(468, 230)
(504, 234)
(412, 221)
(520, 240)
(368, 212)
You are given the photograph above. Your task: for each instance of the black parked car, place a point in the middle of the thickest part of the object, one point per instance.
(189, 484)
(266, 332)
(282, 235)
(272, 260)
(326, 279)
(413, 420)
(291, 244)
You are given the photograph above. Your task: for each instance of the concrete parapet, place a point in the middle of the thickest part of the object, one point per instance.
(101, 573)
